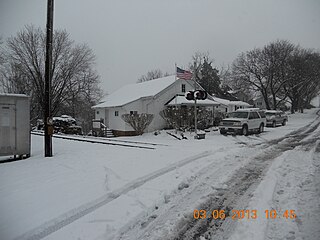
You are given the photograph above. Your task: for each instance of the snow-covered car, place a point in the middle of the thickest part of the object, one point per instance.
(243, 121)
(275, 117)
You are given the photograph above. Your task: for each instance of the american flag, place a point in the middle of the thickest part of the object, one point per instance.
(183, 74)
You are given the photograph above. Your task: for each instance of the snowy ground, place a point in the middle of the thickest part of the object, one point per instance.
(97, 191)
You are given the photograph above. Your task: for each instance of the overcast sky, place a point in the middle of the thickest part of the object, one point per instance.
(130, 37)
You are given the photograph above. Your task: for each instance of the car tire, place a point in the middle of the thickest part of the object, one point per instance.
(261, 128)
(284, 122)
(245, 131)
(223, 132)
(274, 124)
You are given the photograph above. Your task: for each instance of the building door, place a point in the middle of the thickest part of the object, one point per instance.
(107, 118)
(7, 129)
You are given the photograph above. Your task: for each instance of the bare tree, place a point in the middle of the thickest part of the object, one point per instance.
(73, 76)
(139, 122)
(1, 52)
(225, 75)
(2, 61)
(196, 64)
(275, 58)
(249, 72)
(153, 74)
(279, 71)
(303, 76)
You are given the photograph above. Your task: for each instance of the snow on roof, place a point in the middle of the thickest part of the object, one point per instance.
(181, 100)
(222, 101)
(132, 92)
(272, 111)
(64, 118)
(248, 109)
(240, 103)
(12, 95)
(228, 102)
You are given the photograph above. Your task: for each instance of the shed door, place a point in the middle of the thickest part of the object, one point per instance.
(7, 129)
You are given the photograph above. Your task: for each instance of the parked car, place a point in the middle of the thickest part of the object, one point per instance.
(275, 117)
(73, 129)
(243, 121)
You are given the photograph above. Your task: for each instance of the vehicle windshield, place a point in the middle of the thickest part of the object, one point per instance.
(238, 115)
(270, 113)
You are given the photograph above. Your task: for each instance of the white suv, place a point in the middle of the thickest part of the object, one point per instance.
(243, 121)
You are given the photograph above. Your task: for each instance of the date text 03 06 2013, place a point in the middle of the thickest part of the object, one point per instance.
(243, 214)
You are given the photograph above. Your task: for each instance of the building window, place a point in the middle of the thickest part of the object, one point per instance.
(97, 112)
(183, 88)
(133, 112)
(116, 113)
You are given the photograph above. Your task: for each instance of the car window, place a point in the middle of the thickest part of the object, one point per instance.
(262, 114)
(255, 115)
(270, 113)
(238, 115)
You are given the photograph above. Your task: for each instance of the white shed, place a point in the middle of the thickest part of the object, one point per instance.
(14, 125)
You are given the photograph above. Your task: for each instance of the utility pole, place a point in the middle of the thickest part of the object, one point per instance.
(195, 101)
(48, 127)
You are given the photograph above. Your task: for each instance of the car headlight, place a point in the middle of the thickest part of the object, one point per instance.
(237, 123)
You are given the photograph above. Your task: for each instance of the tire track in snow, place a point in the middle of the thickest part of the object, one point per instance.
(67, 218)
(75, 214)
(235, 196)
(302, 193)
(240, 188)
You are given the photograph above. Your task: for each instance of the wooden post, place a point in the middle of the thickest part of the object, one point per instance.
(48, 75)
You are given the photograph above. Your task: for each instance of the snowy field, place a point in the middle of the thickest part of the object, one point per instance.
(98, 191)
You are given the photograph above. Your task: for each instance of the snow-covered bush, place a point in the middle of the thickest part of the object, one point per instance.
(183, 117)
(139, 122)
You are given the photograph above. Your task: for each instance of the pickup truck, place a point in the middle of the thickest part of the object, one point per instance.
(275, 118)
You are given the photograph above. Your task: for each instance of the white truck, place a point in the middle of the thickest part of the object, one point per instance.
(243, 121)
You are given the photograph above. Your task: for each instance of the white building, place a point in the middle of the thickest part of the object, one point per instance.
(229, 106)
(151, 97)
(146, 97)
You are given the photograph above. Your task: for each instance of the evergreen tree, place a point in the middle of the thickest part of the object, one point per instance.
(210, 79)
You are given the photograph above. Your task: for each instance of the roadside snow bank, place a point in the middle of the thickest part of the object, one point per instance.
(292, 183)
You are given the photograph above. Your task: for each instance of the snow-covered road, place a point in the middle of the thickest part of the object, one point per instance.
(176, 220)
(92, 191)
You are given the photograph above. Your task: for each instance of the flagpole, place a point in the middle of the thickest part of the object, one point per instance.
(175, 71)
